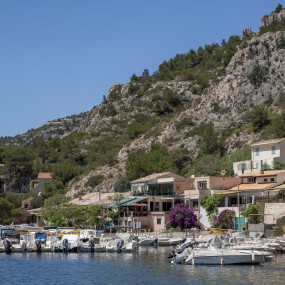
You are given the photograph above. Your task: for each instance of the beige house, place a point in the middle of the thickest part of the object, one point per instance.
(207, 185)
(38, 185)
(161, 192)
(263, 152)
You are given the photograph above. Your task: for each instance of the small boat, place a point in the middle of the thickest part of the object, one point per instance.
(39, 242)
(147, 241)
(95, 244)
(165, 241)
(68, 243)
(122, 243)
(216, 253)
(212, 256)
(12, 242)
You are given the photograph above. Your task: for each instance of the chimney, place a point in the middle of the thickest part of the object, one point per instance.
(261, 171)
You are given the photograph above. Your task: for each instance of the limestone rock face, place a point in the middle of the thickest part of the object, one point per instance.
(268, 19)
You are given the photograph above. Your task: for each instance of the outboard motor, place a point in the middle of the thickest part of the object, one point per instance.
(39, 245)
(92, 244)
(120, 245)
(8, 246)
(135, 238)
(155, 242)
(65, 245)
(183, 241)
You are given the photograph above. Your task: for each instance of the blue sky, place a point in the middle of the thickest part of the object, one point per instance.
(58, 57)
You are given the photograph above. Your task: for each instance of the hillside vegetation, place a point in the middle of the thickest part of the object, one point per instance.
(195, 116)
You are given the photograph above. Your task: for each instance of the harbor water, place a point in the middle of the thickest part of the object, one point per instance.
(147, 266)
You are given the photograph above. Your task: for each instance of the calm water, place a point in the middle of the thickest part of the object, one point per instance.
(148, 266)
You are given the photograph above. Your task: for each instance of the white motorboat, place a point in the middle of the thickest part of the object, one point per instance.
(219, 253)
(12, 242)
(122, 243)
(85, 235)
(68, 243)
(95, 244)
(39, 242)
(213, 256)
(146, 241)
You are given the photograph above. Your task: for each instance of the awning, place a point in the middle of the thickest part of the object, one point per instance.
(139, 205)
(128, 201)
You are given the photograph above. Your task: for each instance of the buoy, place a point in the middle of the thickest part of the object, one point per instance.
(222, 261)
(193, 261)
(253, 257)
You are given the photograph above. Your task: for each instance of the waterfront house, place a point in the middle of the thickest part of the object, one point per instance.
(161, 192)
(259, 187)
(263, 152)
(206, 185)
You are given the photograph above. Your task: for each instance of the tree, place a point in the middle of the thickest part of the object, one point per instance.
(134, 78)
(211, 204)
(251, 213)
(5, 211)
(182, 216)
(122, 185)
(259, 118)
(104, 99)
(225, 220)
(53, 206)
(141, 163)
(210, 140)
(278, 8)
(15, 199)
(22, 217)
(145, 73)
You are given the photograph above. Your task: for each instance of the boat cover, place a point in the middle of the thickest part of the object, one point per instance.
(124, 236)
(41, 236)
(12, 234)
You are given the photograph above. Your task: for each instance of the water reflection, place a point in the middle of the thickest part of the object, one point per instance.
(148, 266)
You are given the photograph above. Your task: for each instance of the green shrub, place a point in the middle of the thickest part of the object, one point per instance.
(258, 75)
(186, 122)
(93, 181)
(122, 185)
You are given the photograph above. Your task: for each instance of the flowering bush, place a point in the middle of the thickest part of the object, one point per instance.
(182, 216)
(225, 219)
(25, 218)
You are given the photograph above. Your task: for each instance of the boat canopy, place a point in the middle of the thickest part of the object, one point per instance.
(12, 234)
(41, 236)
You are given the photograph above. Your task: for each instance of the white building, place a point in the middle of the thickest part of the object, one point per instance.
(263, 152)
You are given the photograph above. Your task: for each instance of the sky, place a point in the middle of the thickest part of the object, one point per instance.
(59, 57)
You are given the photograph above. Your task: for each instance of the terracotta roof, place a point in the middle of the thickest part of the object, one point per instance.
(264, 173)
(282, 186)
(156, 175)
(253, 186)
(44, 175)
(273, 141)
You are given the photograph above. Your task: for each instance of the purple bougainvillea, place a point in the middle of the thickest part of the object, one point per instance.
(225, 219)
(182, 216)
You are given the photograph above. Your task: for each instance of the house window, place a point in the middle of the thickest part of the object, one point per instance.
(166, 206)
(156, 206)
(257, 151)
(158, 221)
(272, 179)
(243, 166)
(202, 185)
(257, 165)
(273, 148)
(265, 179)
